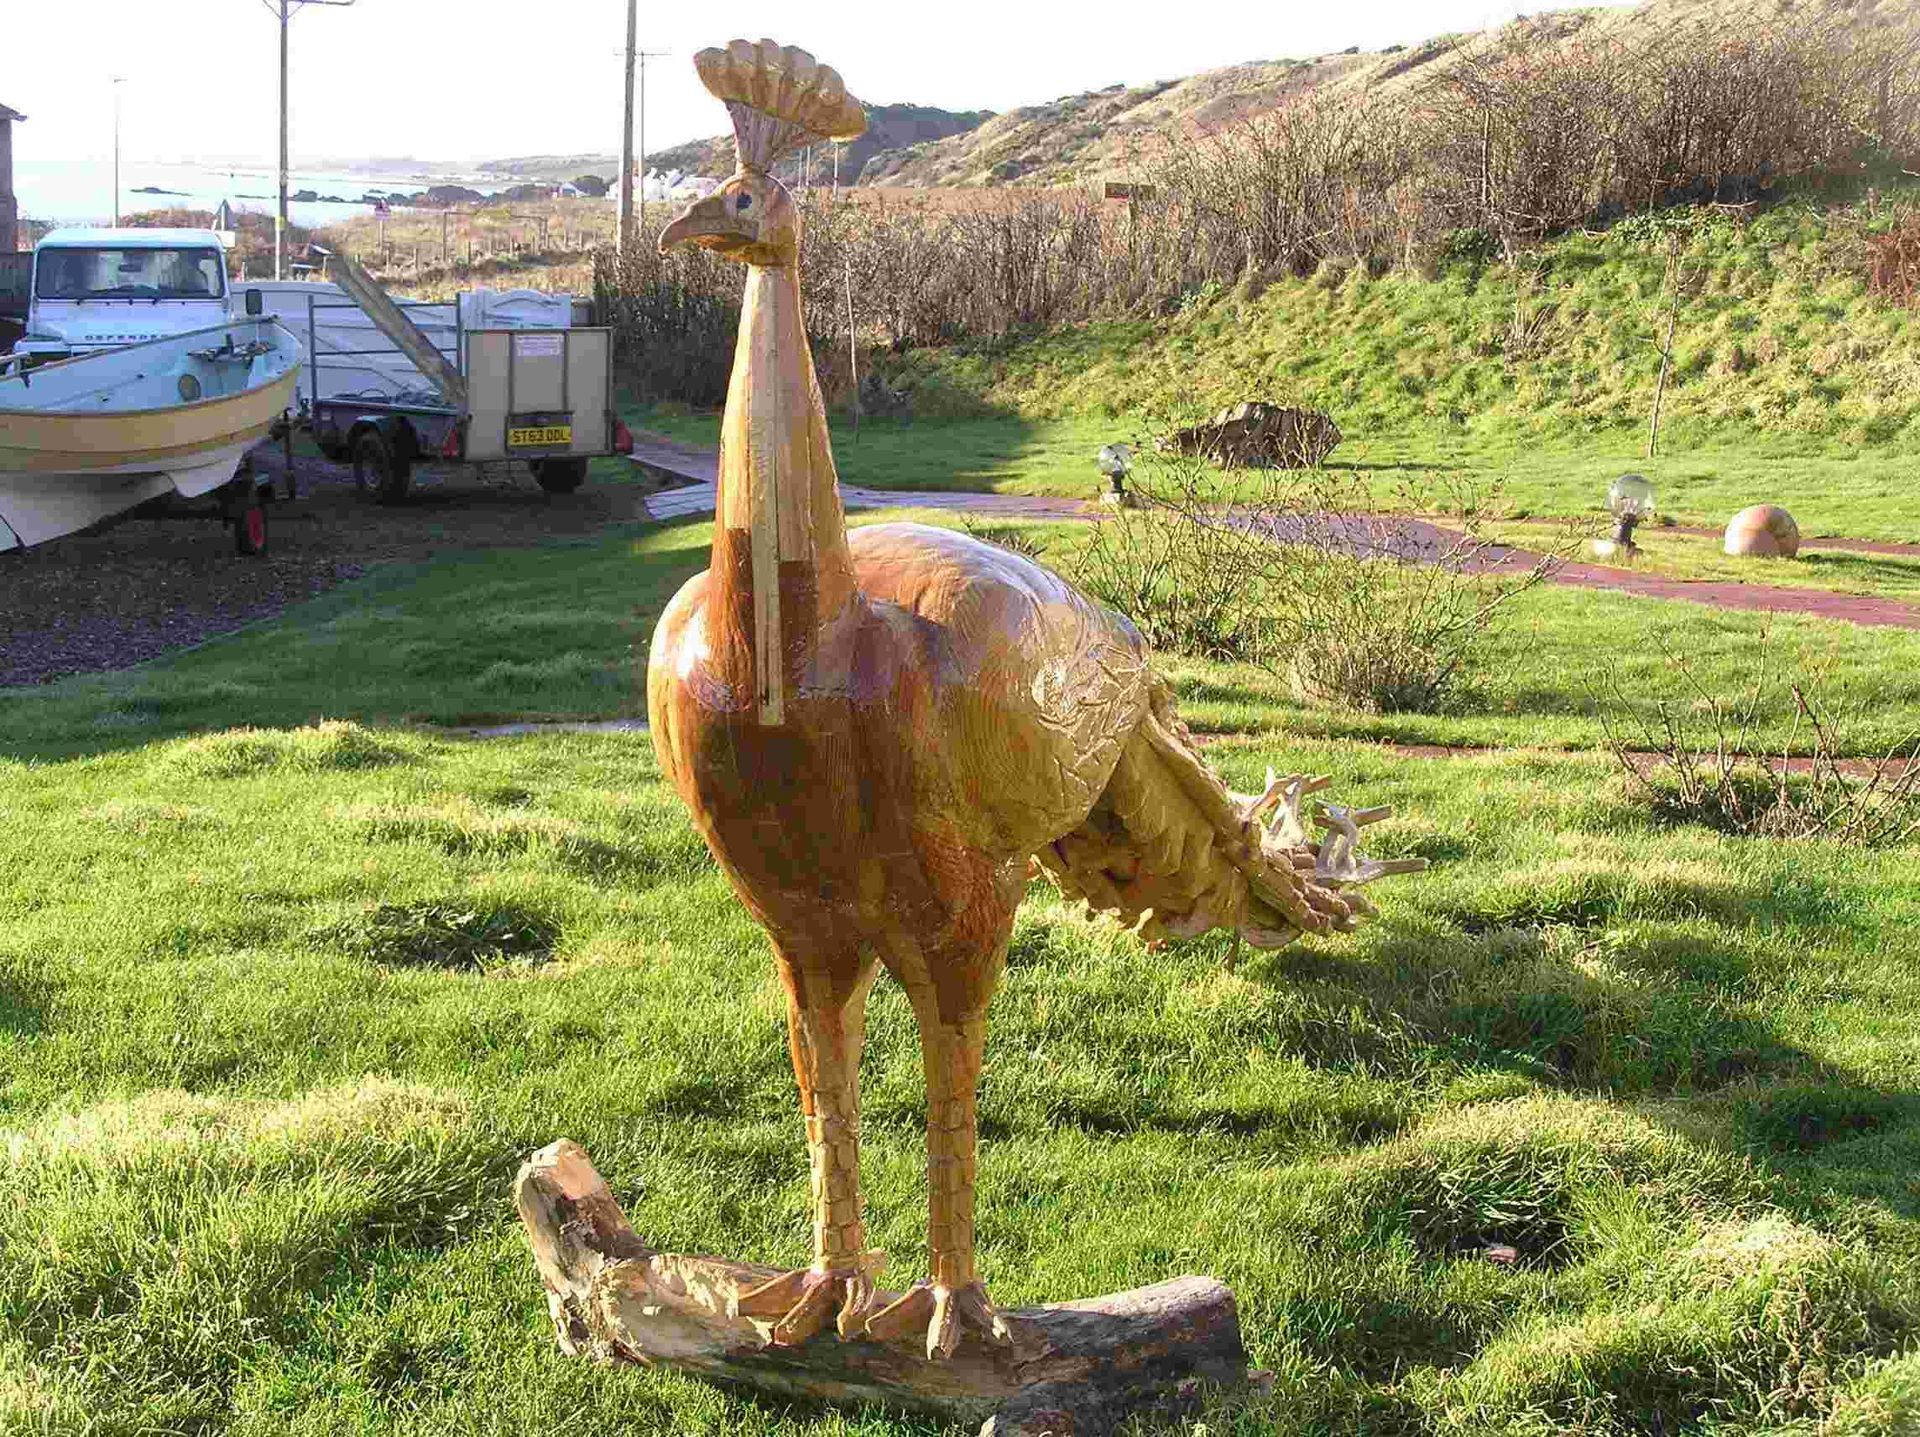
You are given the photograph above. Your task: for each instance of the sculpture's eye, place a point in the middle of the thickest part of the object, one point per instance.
(745, 202)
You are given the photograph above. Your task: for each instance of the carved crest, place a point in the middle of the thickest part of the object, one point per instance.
(780, 97)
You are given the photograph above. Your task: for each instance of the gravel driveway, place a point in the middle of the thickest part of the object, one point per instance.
(139, 588)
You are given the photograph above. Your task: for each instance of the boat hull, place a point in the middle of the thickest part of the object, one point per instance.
(64, 469)
(40, 506)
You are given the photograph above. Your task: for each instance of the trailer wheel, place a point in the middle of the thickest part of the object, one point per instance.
(250, 530)
(560, 476)
(379, 473)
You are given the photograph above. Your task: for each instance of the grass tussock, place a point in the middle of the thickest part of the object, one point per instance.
(461, 935)
(467, 830)
(1519, 1172)
(1758, 1322)
(330, 747)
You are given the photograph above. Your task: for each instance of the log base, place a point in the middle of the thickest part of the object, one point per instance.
(1074, 1369)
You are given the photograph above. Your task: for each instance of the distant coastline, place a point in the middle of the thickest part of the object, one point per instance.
(81, 191)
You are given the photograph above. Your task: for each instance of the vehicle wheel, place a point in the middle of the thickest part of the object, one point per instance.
(380, 474)
(250, 530)
(560, 476)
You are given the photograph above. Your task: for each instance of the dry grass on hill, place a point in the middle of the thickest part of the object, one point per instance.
(1108, 134)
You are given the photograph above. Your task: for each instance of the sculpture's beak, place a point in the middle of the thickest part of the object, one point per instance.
(710, 222)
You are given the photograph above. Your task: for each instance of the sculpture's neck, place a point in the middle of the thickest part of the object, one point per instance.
(781, 565)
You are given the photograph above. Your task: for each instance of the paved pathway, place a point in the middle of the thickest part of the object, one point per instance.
(696, 472)
(696, 469)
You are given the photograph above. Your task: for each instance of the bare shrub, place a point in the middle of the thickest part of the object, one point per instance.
(1545, 125)
(1191, 578)
(673, 318)
(1276, 194)
(1384, 612)
(1704, 762)
(1015, 538)
(1893, 260)
(1529, 132)
(1377, 612)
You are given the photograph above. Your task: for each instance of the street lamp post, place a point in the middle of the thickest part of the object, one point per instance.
(284, 10)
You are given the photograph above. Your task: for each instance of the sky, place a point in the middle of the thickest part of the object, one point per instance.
(524, 77)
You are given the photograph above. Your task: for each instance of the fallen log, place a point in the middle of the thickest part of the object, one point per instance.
(1073, 1369)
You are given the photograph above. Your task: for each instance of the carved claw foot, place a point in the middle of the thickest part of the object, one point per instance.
(800, 1302)
(944, 1313)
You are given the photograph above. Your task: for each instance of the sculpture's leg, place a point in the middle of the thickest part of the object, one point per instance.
(951, 1045)
(826, 1023)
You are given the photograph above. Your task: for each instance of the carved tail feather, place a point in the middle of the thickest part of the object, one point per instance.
(1173, 852)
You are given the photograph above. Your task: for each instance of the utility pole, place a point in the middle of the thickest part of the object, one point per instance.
(636, 59)
(118, 81)
(624, 240)
(284, 10)
(643, 57)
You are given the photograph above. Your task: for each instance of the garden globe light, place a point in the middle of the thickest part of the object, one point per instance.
(1630, 501)
(1116, 462)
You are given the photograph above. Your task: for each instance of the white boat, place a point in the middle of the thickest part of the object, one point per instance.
(92, 437)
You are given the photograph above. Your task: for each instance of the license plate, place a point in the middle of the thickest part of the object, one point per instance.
(540, 436)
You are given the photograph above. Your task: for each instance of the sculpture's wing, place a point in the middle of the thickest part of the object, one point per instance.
(1034, 687)
(1169, 849)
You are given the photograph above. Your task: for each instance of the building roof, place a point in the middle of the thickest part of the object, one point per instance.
(9, 114)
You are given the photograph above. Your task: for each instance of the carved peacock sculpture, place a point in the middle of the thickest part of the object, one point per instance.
(877, 732)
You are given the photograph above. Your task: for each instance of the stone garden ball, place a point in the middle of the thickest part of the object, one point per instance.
(1763, 529)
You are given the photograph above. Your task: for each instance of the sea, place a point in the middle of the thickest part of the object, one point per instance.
(81, 191)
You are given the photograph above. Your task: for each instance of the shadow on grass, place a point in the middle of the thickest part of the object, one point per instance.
(23, 1002)
(1869, 569)
(559, 630)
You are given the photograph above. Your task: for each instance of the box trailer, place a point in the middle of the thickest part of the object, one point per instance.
(517, 390)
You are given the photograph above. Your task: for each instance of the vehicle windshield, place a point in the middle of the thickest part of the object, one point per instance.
(110, 273)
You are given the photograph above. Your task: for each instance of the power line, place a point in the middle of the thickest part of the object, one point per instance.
(644, 56)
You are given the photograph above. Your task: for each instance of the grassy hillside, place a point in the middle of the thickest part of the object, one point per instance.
(895, 133)
(1776, 334)
(1101, 134)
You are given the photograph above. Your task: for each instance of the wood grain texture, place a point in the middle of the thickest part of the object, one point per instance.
(1074, 1369)
(877, 734)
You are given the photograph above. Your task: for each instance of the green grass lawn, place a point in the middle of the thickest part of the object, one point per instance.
(1791, 383)
(281, 1010)
(1700, 558)
(561, 632)
(1867, 492)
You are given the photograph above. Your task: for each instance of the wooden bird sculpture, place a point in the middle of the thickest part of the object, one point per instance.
(876, 732)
